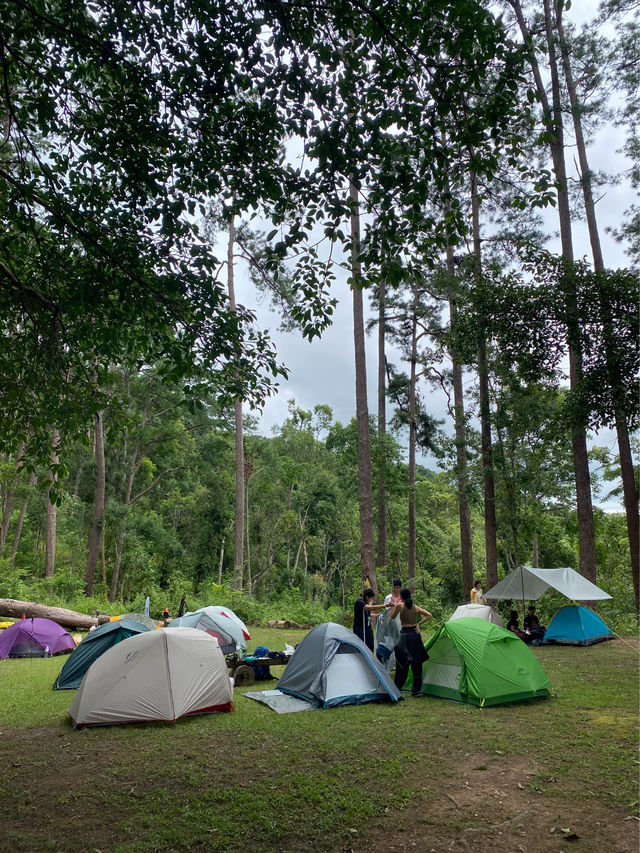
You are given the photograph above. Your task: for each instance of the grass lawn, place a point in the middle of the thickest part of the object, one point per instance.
(554, 775)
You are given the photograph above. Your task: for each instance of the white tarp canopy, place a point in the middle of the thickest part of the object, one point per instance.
(529, 584)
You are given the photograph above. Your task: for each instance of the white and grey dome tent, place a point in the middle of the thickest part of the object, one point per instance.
(477, 611)
(158, 675)
(331, 666)
(528, 584)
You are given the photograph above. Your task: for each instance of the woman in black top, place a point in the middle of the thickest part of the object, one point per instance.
(362, 609)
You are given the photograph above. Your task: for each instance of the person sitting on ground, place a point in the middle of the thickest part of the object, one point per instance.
(475, 596)
(532, 625)
(513, 625)
(362, 609)
(410, 651)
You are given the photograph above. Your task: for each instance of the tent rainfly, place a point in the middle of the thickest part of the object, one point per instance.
(575, 625)
(473, 661)
(35, 638)
(228, 612)
(477, 611)
(91, 648)
(527, 584)
(157, 675)
(227, 631)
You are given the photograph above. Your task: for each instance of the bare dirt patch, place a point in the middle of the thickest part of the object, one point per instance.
(498, 805)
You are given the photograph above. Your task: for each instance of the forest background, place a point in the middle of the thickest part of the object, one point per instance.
(142, 157)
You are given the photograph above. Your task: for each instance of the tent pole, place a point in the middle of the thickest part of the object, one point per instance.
(522, 584)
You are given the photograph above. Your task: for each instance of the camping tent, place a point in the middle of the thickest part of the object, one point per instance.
(478, 611)
(473, 661)
(94, 644)
(529, 584)
(575, 625)
(226, 611)
(331, 666)
(158, 675)
(140, 618)
(35, 638)
(227, 631)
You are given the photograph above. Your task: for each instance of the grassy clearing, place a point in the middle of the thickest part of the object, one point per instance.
(450, 776)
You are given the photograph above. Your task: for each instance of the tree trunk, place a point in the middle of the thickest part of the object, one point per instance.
(246, 513)
(238, 539)
(586, 532)
(490, 525)
(629, 487)
(413, 428)
(535, 558)
(381, 560)
(33, 479)
(462, 475)
(552, 117)
(115, 575)
(221, 561)
(52, 512)
(365, 495)
(7, 508)
(14, 609)
(95, 534)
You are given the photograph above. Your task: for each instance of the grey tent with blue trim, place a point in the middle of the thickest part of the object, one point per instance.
(331, 666)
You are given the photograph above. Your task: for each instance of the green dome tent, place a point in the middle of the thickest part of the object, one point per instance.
(474, 661)
(94, 644)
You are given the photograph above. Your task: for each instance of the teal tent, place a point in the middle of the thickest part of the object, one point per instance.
(576, 625)
(474, 661)
(94, 644)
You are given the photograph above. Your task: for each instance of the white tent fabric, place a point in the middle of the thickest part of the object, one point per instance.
(226, 611)
(478, 611)
(158, 675)
(529, 584)
(227, 631)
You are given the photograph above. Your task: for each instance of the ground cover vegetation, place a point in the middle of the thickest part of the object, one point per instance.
(136, 135)
(546, 775)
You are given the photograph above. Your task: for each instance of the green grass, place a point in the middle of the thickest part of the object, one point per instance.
(328, 780)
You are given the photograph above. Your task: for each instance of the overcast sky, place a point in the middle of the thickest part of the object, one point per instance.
(322, 372)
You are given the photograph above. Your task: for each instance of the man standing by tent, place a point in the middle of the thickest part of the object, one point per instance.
(394, 596)
(362, 609)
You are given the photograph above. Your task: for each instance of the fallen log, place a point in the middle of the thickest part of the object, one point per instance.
(11, 607)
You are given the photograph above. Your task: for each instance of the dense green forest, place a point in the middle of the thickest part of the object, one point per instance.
(149, 152)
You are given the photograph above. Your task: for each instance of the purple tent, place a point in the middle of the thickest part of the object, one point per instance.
(34, 638)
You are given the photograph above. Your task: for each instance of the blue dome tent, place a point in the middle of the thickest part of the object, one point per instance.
(575, 625)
